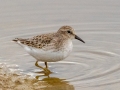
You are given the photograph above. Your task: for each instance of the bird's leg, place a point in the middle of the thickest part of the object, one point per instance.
(36, 64)
(46, 70)
(46, 65)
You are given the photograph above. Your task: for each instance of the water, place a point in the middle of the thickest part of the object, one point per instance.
(94, 65)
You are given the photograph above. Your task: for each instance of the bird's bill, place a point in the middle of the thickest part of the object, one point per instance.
(78, 38)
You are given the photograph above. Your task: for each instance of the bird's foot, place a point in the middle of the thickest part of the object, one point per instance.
(47, 71)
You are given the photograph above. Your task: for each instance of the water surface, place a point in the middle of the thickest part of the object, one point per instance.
(94, 65)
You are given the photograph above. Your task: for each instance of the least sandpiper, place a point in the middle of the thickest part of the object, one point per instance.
(50, 47)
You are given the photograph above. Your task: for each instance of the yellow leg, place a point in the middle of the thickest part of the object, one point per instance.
(46, 70)
(36, 64)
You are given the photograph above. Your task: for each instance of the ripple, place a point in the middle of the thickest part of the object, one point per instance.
(93, 64)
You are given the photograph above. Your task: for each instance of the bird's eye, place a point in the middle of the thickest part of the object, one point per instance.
(69, 31)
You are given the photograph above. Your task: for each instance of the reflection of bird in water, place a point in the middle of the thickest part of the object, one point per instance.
(53, 83)
(57, 84)
(50, 47)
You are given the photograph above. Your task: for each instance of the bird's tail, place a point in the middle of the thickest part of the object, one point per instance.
(19, 39)
(16, 39)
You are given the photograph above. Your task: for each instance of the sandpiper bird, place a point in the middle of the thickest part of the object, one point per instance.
(50, 47)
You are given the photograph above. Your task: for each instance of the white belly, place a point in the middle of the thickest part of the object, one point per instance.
(50, 55)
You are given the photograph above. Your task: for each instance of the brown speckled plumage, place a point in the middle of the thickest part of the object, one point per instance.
(47, 41)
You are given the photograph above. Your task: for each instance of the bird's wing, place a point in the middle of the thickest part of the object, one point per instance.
(44, 41)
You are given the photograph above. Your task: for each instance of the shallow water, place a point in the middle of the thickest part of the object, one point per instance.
(94, 65)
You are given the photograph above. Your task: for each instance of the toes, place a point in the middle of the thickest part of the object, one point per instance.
(47, 71)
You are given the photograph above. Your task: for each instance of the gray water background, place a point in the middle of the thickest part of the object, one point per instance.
(91, 66)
